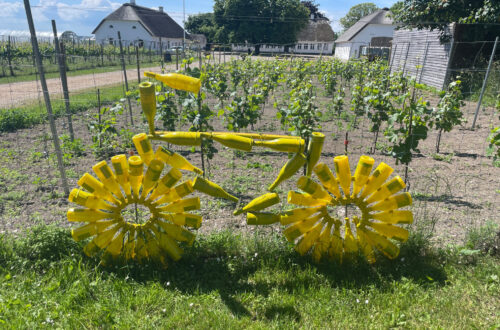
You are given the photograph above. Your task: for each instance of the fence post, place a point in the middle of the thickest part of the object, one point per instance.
(102, 54)
(138, 65)
(423, 63)
(161, 55)
(176, 59)
(199, 55)
(64, 80)
(122, 59)
(99, 114)
(406, 58)
(46, 97)
(485, 82)
(391, 60)
(9, 58)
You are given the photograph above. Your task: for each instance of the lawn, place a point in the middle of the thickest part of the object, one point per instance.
(231, 280)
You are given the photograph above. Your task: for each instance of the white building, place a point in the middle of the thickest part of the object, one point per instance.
(375, 29)
(316, 38)
(140, 26)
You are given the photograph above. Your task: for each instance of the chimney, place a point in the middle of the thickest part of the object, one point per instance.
(160, 9)
(132, 2)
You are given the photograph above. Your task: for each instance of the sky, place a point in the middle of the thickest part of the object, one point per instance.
(82, 16)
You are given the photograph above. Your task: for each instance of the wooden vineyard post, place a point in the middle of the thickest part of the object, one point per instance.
(46, 97)
(9, 57)
(64, 80)
(122, 59)
(484, 82)
(102, 54)
(138, 65)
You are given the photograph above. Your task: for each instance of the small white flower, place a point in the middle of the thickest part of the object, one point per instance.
(256, 254)
(366, 301)
(402, 259)
(168, 283)
(191, 305)
(357, 300)
(164, 310)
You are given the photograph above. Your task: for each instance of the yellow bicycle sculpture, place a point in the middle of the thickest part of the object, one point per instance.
(310, 226)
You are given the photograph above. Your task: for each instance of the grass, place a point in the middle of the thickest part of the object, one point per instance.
(29, 115)
(232, 280)
(54, 73)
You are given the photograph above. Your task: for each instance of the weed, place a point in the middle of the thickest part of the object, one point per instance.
(264, 167)
(71, 149)
(443, 158)
(45, 244)
(485, 238)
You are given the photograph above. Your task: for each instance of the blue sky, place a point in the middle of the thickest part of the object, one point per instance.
(82, 16)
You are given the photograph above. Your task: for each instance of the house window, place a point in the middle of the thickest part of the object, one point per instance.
(110, 26)
(312, 46)
(325, 46)
(305, 46)
(110, 40)
(134, 27)
(299, 46)
(319, 46)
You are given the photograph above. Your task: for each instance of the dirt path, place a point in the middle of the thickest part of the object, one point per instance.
(19, 93)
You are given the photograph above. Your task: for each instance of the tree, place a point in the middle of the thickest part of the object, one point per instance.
(396, 8)
(261, 21)
(437, 14)
(203, 24)
(356, 13)
(314, 10)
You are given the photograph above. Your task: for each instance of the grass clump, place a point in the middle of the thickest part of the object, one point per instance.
(44, 245)
(485, 238)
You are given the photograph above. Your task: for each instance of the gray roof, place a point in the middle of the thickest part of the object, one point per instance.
(317, 31)
(381, 16)
(157, 23)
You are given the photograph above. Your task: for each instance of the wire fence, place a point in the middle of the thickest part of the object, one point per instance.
(455, 190)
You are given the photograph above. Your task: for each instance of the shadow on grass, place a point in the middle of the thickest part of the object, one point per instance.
(230, 267)
(232, 264)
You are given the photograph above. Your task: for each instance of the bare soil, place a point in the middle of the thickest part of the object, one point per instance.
(453, 192)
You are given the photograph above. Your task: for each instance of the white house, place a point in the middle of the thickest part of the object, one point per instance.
(316, 38)
(375, 29)
(140, 26)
